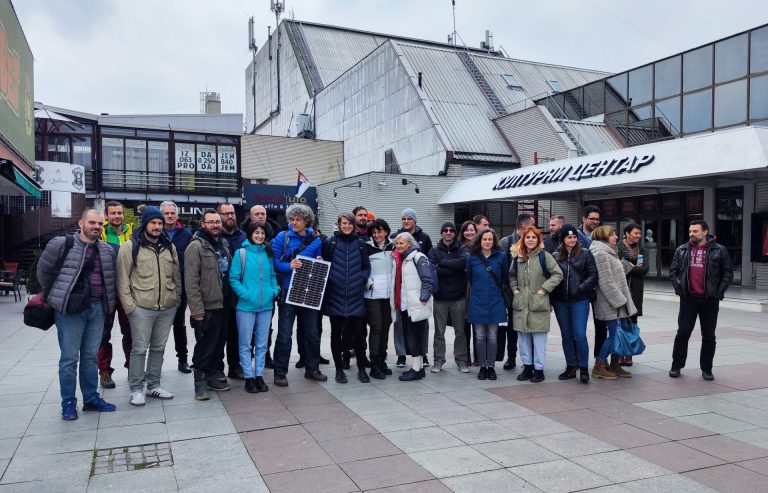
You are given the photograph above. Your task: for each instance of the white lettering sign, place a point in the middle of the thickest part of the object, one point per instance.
(227, 159)
(185, 161)
(206, 158)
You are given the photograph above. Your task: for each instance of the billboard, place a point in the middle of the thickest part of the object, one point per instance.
(17, 116)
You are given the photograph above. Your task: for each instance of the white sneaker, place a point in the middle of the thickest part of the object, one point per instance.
(159, 393)
(436, 367)
(137, 398)
(463, 367)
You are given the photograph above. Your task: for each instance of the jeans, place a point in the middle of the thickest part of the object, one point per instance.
(440, 312)
(706, 309)
(533, 348)
(79, 338)
(149, 330)
(485, 336)
(105, 348)
(307, 322)
(572, 318)
(379, 318)
(179, 329)
(253, 326)
(346, 330)
(210, 336)
(399, 339)
(611, 326)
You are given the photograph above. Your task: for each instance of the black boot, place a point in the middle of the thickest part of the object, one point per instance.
(376, 368)
(362, 375)
(250, 386)
(216, 384)
(260, 385)
(569, 373)
(383, 364)
(341, 377)
(201, 387)
(184, 366)
(584, 374)
(364, 362)
(538, 376)
(268, 362)
(345, 361)
(527, 373)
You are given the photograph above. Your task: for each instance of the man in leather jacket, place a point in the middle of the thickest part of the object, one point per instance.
(701, 271)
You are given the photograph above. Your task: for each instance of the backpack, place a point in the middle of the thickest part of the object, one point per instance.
(135, 253)
(332, 247)
(432, 271)
(542, 262)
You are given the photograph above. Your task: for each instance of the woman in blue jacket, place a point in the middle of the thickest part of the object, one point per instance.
(487, 268)
(256, 289)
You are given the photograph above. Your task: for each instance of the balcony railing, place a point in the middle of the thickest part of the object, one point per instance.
(142, 181)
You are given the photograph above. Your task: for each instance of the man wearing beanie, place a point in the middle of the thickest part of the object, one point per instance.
(149, 286)
(450, 258)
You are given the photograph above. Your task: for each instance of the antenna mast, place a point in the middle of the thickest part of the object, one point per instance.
(452, 37)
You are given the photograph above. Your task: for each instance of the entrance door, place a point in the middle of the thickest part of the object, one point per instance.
(730, 223)
(671, 235)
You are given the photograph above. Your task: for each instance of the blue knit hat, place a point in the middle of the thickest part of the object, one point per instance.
(150, 212)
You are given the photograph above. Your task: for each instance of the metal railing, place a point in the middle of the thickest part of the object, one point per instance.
(140, 181)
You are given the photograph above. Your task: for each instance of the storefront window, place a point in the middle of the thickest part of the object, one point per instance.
(697, 111)
(758, 54)
(668, 117)
(758, 97)
(731, 103)
(112, 153)
(697, 68)
(136, 163)
(641, 85)
(157, 164)
(731, 58)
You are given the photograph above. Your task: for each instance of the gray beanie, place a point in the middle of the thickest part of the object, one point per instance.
(410, 213)
(448, 224)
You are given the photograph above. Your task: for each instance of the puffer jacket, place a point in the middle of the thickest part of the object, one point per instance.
(486, 303)
(530, 310)
(613, 300)
(579, 278)
(202, 277)
(348, 276)
(451, 262)
(382, 270)
(61, 283)
(416, 286)
(719, 269)
(258, 289)
(282, 259)
(155, 280)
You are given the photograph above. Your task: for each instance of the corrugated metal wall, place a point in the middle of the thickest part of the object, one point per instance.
(275, 159)
(761, 205)
(531, 132)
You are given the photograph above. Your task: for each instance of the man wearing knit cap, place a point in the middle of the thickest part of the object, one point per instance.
(149, 286)
(450, 258)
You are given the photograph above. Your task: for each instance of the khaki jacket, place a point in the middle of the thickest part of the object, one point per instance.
(530, 311)
(202, 281)
(155, 280)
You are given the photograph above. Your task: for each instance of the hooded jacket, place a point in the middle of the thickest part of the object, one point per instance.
(382, 269)
(202, 277)
(613, 300)
(283, 256)
(422, 238)
(530, 310)
(718, 270)
(258, 289)
(451, 262)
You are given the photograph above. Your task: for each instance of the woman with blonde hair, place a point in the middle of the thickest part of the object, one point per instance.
(613, 301)
(534, 274)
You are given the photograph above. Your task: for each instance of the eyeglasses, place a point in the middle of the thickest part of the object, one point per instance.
(448, 230)
(226, 213)
(212, 223)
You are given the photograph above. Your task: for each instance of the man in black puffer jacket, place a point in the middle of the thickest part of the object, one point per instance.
(450, 258)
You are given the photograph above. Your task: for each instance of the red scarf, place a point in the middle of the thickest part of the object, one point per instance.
(398, 277)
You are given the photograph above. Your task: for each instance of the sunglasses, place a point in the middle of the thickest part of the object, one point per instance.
(448, 230)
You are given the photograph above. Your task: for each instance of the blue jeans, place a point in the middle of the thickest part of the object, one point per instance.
(79, 339)
(572, 318)
(253, 326)
(307, 322)
(613, 326)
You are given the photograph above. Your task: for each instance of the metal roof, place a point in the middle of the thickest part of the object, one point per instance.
(592, 136)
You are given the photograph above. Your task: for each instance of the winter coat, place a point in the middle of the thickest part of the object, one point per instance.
(635, 276)
(180, 237)
(530, 311)
(719, 269)
(282, 259)
(613, 300)
(579, 278)
(422, 238)
(348, 277)
(61, 283)
(416, 286)
(154, 280)
(235, 239)
(382, 270)
(202, 277)
(117, 239)
(486, 303)
(451, 263)
(258, 288)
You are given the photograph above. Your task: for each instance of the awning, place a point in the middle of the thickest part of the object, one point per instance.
(695, 161)
(14, 182)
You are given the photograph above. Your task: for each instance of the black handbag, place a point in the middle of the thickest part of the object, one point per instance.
(37, 312)
(80, 296)
(506, 291)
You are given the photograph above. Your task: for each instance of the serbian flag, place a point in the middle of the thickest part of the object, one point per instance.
(302, 184)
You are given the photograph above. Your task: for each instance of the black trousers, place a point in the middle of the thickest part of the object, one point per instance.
(232, 342)
(706, 309)
(343, 331)
(415, 334)
(601, 334)
(210, 337)
(180, 329)
(379, 318)
(510, 335)
(300, 336)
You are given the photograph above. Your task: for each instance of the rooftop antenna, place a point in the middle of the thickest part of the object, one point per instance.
(452, 36)
(277, 8)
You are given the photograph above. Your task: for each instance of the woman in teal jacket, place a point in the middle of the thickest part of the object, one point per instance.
(256, 289)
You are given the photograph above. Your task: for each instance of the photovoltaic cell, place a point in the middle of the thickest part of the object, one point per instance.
(308, 283)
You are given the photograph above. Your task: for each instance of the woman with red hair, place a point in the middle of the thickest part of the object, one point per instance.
(534, 274)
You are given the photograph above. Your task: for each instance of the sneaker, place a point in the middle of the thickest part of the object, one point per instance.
(482, 374)
(400, 362)
(158, 393)
(106, 380)
(69, 410)
(437, 367)
(707, 375)
(462, 366)
(316, 375)
(510, 364)
(341, 377)
(362, 376)
(492, 374)
(324, 361)
(411, 375)
(426, 361)
(137, 398)
(183, 366)
(674, 372)
(100, 405)
(280, 381)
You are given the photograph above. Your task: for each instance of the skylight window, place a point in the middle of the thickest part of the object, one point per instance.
(556, 86)
(512, 82)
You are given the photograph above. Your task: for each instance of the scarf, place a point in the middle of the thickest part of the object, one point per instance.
(632, 250)
(398, 277)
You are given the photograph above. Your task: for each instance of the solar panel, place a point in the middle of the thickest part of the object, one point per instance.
(308, 283)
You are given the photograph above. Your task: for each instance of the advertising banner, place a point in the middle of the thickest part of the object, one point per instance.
(61, 204)
(60, 177)
(227, 159)
(185, 158)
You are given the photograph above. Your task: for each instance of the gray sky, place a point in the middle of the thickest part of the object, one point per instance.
(156, 56)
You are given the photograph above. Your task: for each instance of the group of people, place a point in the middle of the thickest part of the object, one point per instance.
(496, 292)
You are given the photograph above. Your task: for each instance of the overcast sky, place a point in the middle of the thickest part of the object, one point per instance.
(156, 56)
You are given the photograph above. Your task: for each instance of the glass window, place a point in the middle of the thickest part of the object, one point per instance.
(697, 111)
(731, 58)
(640, 85)
(153, 134)
(758, 54)
(135, 163)
(221, 139)
(555, 85)
(731, 103)
(81, 151)
(758, 97)
(667, 114)
(512, 82)
(193, 137)
(619, 84)
(157, 164)
(112, 162)
(593, 99)
(697, 69)
(574, 108)
(58, 148)
(118, 131)
(667, 77)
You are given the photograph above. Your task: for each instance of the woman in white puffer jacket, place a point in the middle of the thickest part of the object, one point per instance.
(378, 311)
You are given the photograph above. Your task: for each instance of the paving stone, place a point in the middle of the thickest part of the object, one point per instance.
(510, 453)
(559, 476)
(335, 429)
(730, 477)
(359, 448)
(290, 457)
(676, 457)
(422, 439)
(481, 432)
(624, 436)
(530, 426)
(327, 478)
(199, 428)
(500, 410)
(620, 466)
(57, 443)
(398, 421)
(454, 461)
(8, 447)
(431, 486)
(572, 444)
(72, 466)
(757, 465)
(320, 412)
(218, 484)
(193, 459)
(726, 448)
(368, 407)
(124, 436)
(385, 471)
(672, 408)
(498, 481)
(160, 479)
(717, 423)
(758, 437)
(673, 482)
(260, 420)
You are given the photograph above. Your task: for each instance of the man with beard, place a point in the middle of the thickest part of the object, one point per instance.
(361, 222)
(234, 237)
(552, 243)
(206, 267)
(149, 286)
